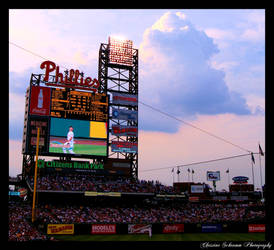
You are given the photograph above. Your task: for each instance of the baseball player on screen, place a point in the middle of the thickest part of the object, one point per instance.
(69, 144)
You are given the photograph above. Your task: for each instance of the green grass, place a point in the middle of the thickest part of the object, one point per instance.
(84, 149)
(167, 237)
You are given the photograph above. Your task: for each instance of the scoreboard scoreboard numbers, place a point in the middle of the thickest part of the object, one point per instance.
(79, 105)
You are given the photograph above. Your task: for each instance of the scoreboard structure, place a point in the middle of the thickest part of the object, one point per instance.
(118, 75)
(82, 117)
(73, 123)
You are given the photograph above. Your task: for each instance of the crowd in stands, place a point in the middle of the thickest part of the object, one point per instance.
(21, 228)
(187, 213)
(84, 182)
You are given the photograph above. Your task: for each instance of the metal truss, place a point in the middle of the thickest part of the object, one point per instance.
(121, 79)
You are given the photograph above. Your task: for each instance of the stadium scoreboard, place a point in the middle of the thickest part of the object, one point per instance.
(72, 122)
(79, 105)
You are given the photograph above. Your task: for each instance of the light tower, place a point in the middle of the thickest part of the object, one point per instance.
(118, 75)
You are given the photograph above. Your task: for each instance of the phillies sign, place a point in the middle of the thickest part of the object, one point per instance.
(73, 80)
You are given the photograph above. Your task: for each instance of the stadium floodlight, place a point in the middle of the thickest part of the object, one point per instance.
(120, 50)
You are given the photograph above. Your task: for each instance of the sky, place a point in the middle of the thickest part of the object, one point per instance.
(205, 67)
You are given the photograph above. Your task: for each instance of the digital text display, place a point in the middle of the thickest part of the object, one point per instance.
(79, 105)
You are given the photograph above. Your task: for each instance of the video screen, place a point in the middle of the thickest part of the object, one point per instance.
(78, 137)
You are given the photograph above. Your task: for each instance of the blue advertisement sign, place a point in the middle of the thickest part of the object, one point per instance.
(124, 114)
(239, 179)
(211, 228)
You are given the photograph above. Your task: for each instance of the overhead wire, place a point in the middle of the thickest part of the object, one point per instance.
(158, 110)
(196, 163)
(191, 125)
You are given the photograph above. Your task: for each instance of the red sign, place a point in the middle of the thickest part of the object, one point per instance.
(40, 101)
(256, 228)
(69, 81)
(173, 228)
(193, 198)
(124, 130)
(103, 229)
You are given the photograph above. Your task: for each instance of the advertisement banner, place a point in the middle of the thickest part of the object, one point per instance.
(197, 188)
(139, 228)
(193, 198)
(120, 130)
(81, 165)
(42, 123)
(40, 101)
(173, 228)
(103, 229)
(124, 147)
(60, 229)
(213, 175)
(124, 114)
(240, 179)
(211, 228)
(124, 99)
(256, 228)
(239, 198)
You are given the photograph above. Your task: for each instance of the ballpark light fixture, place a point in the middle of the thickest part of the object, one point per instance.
(120, 50)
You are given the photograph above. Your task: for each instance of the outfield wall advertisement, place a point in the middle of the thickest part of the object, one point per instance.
(60, 229)
(211, 228)
(139, 228)
(173, 228)
(103, 229)
(256, 228)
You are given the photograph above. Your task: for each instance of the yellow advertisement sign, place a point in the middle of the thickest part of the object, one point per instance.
(60, 229)
(112, 194)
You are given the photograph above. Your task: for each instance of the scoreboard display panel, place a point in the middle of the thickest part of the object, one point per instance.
(73, 122)
(79, 105)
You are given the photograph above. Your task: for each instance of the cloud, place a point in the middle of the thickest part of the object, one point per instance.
(175, 56)
(254, 27)
(51, 38)
(216, 33)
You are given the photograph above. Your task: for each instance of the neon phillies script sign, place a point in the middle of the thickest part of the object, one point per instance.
(72, 80)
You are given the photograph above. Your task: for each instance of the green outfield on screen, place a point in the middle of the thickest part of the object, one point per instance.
(167, 237)
(84, 149)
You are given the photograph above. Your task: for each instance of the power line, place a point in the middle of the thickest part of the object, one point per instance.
(189, 124)
(35, 54)
(155, 109)
(196, 163)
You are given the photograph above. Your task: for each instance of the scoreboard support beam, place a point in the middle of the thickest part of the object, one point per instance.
(120, 78)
